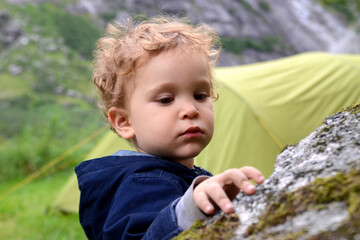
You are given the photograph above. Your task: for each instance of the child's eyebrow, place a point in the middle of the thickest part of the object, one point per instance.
(203, 83)
(162, 86)
(170, 85)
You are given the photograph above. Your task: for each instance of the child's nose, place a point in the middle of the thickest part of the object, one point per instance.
(189, 111)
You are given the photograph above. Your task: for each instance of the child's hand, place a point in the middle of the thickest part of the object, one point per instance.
(220, 189)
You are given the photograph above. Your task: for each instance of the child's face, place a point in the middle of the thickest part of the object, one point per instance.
(170, 109)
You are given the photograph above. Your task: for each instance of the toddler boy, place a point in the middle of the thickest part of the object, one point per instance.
(157, 89)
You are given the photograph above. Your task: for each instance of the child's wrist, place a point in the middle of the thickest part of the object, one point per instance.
(186, 210)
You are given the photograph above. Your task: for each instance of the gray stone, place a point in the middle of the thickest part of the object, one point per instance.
(15, 69)
(331, 148)
(301, 174)
(9, 31)
(297, 25)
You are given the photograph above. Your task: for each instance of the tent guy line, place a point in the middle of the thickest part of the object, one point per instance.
(50, 164)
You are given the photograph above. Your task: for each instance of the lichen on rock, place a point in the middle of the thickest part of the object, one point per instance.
(318, 209)
(313, 193)
(222, 228)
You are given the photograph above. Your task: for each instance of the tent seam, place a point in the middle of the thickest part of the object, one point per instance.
(260, 120)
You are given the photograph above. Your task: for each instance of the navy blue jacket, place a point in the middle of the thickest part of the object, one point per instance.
(132, 197)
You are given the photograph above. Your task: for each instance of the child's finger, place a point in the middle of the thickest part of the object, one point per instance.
(212, 193)
(239, 179)
(253, 173)
(220, 198)
(202, 201)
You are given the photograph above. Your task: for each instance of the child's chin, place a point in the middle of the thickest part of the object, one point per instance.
(184, 156)
(188, 152)
(191, 154)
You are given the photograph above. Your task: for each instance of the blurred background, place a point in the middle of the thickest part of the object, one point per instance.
(49, 120)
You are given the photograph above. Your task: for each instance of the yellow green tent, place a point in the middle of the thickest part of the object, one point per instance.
(262, 108)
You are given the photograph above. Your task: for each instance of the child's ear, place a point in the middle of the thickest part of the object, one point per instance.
(119, 119)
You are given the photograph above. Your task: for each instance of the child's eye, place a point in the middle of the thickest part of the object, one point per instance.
(200, 96)
(166, 100)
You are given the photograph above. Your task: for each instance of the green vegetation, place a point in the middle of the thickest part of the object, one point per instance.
(350, 9)
(264, 6)
(247, 6)
(48, 104)
(26, 213)
(222, 228)
(44, 133)
(353, 109)
(237, 46)
(140, 18)
(107, 17)
(78, 32)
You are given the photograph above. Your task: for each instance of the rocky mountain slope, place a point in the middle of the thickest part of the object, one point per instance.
(251, 31)
(260, 30)
(313, 193)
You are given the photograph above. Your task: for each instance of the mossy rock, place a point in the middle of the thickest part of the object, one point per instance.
(313, 193)
(222, 228)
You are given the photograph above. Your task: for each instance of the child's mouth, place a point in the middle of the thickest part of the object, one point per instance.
(192, 132)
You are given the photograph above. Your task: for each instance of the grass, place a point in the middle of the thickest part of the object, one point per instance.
(49, 106)
(26, 214)
(12, 86)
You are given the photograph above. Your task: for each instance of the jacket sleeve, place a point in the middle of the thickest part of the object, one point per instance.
(186, 210)
(144, 208)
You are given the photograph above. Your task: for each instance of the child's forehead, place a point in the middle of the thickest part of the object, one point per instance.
(176, 52)
(173, 66)
(162, 60)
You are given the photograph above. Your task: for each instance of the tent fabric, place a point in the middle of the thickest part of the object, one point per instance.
(262, 108)
(69, 197)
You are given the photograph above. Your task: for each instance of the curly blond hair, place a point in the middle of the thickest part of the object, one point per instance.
(125, 48)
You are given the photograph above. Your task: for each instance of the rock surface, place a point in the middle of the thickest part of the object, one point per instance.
(9, 32)
(313, 193)
(266, 30)
(295, 26)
